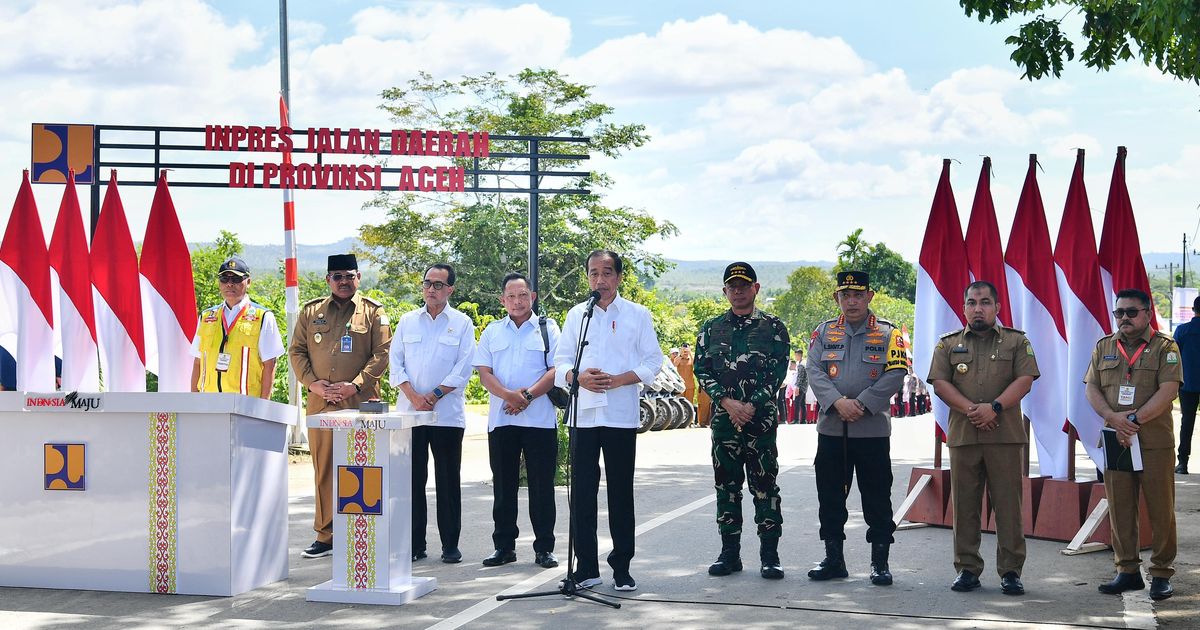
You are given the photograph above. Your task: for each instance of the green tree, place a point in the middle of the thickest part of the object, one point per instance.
(1164, 34)
(889, 272)
(851, 249)
(205, 262)
(808, 301)
(486, 236)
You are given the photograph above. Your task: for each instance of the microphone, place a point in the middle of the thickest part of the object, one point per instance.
(593, 298)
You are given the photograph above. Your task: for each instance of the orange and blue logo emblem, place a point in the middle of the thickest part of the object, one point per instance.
(58, 149)
(360, 490)
(64, 467)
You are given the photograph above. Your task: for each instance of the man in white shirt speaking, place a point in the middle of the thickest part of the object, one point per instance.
(514, 366)
(622, 351)
(431, 363)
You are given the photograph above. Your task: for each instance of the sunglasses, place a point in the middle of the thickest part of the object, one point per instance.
(338, 277)
(1121, 313)
(229, 278)
(437, 285)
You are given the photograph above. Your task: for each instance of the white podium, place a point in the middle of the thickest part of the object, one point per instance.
(144, 492)
(372, 500)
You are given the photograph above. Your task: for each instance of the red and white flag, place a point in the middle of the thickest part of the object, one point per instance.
(117, 297)
(71, 279)
(27, 311)
(168, 295)
(984, 252)
(941, 280)
(1120, 254)
(1036, 309)
(1085, 308)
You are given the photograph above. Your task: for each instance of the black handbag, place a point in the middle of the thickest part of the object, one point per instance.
(557, 395)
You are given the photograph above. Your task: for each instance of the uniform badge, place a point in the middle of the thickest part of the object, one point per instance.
(874, 357)
(940, 346)
(831, 356)
(962, 368)
(317, 337)
(1172, 358)
(833, 371)
(1028, 349)
(874, 372)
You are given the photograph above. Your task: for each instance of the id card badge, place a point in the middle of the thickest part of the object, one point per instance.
(223, 360)
(347, 343)
(1125, 395)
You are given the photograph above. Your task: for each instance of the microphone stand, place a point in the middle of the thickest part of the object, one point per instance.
(569, 587)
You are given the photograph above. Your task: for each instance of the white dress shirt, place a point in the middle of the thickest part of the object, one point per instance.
(428, 352)
(620, 338)
(270, 343)
(517, 357)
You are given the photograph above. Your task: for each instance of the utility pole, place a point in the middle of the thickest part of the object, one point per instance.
(1183, 281)
(1170, 267)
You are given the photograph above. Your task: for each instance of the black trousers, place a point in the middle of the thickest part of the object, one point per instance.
(1187, 405)
(446, 445)
(540, 447)
(871, 459)
(619, 447)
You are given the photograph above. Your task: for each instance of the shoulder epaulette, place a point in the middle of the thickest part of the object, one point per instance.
(880, 320)
(1016, 330)
(372, 301)
(1159, 333)
(314, 301)
(950, 334)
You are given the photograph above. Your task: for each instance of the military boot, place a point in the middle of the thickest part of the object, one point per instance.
(730, 559)
(1181, 469)
(769, 554)
(834, 564)
(880, 574)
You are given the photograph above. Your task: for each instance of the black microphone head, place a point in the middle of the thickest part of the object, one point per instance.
(594, 296)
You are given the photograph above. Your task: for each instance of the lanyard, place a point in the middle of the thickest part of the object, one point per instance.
(225, 328)
(1129, 361)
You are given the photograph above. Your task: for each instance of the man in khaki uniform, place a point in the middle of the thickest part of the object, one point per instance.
(339, 351)
(982, 372)
(1132, 383)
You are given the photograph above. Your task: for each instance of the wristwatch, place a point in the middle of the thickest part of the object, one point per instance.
(1133, 418)
(997, 407)
(527, 395)
(437, 391)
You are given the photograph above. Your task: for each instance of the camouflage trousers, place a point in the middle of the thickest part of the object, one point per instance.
(738, 458)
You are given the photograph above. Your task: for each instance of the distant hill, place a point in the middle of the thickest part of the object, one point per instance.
(266, 259)
(703, 277)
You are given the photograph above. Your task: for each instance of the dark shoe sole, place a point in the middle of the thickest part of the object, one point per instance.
(1158, 597)
(881, 581)
(771, 574)
(965, 589)
(489, 562)
(1012, 591)
(724, 569)
(549, 564)
(1103, 588)
(815, 574)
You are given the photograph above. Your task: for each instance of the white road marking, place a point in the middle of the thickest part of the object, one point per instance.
(1139, 610)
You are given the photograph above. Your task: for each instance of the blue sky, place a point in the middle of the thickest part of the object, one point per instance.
(778, 127)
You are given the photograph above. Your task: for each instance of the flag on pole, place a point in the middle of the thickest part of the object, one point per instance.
(1036, 309)
(941, 280)
(291, 274)
(27, 311)
(1120, 254)
(1085, 309)
(118, 298)
(168, 295)
(71, 281)
(984, 252)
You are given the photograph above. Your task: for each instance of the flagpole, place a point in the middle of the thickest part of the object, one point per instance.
(291, 279)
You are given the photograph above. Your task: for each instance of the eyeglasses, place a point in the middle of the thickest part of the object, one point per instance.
(229, 278)
(338, 277)
(437, 285)
(1121, 313)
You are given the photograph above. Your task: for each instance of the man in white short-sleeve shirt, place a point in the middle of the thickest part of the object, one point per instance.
(513, 359)
(430, 362)
(622, 351)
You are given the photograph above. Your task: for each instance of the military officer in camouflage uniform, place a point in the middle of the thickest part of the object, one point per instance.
(339, 351)
(856, 363)
(741, 361)
(982, 372)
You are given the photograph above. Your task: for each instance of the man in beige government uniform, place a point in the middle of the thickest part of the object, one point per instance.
(1132, 383)
(982, 372)
(339, 351)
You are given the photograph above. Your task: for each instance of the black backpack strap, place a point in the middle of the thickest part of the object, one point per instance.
(545, 341)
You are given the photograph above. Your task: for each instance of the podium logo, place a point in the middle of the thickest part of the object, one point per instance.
(64, 467)
(63, 401)
(58, 149)
(360, 490)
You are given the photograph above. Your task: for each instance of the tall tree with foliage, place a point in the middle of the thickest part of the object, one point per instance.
(485, 236)
(1164, 34)
(889, 272)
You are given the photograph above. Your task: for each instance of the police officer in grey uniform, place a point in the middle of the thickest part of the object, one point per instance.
(856, 362)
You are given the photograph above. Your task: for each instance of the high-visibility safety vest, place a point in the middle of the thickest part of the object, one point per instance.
(240, 342)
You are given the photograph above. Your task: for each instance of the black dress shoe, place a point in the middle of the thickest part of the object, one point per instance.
(965, 582)
(1123, 582)
(451, 555)
(499, 557)
(1160, 588)
(317, 550)
(1181, 469)
(545, 559)
(419, 555)
(1010, 584)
